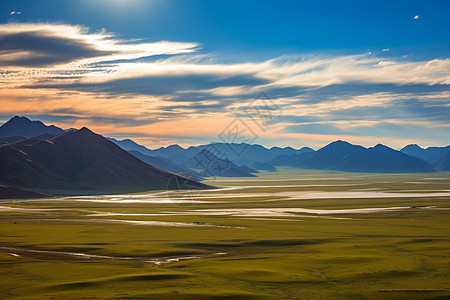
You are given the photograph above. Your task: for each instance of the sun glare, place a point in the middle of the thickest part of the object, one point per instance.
(123, 8)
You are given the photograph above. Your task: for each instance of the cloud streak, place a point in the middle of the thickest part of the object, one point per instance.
(152, 89)
(43, 45)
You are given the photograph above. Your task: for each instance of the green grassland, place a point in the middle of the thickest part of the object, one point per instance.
(242, 242)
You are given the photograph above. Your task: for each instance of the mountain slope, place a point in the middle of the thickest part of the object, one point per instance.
(343, 156)
(11, 139)
(7, 192)
(131, 145)
(166, 164)
(248, 169)
(260, 166)
(443, 163)
(430, 154)
(208, 164)
(79, 162)
(22, 126)
(168, 151)
(238, 153)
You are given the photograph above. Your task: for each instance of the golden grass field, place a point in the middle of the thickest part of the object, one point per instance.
(293, 234)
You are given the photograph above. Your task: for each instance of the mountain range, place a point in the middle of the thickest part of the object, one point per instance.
(240, 154)
(438, 157)
(338, 155)
(80, 162)
(343, 156)
(50, 160)
(24, 127)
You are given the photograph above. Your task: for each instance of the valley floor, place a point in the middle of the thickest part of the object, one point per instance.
(292, 234)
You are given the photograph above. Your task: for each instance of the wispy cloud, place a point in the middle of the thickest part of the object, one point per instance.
(43, 45)
(68, 72)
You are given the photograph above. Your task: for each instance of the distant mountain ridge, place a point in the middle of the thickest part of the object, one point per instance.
(131, 145)
(244, 153)
(343, 156)
(245, 160)
(238, 153)
(166, 164)
(430, 154)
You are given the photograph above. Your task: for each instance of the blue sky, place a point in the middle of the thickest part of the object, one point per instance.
(266, 27)
(181, 71)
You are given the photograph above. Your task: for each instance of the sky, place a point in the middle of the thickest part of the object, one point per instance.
(190, 72)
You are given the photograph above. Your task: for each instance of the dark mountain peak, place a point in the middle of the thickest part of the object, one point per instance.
(415, 145)
(305, 149)
(22, 126)
(171, 150)
(340, 145)
(83, 132)
(340, 142)
(79, 138)
(381, 147)
(18, 118)
(86, 130)
(175, 147)
(412, 147)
